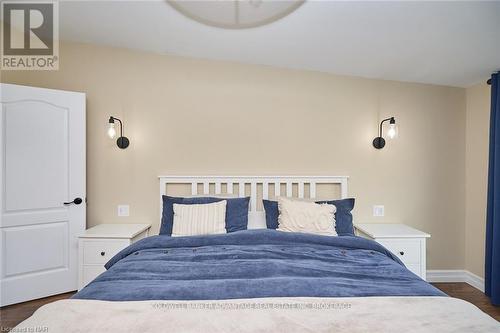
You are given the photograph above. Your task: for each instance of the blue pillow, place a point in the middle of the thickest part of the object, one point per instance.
(236, 212)
(343, 216)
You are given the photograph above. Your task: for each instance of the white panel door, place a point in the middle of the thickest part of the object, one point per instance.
(42, 196)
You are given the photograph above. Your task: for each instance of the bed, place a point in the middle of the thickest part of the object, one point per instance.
(259, 280)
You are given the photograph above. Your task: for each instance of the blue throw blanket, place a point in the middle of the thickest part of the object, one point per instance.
(253, 263)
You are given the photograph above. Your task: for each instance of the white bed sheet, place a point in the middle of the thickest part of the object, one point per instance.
(353, 314)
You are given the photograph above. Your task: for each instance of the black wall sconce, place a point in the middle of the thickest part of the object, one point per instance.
(122, 142)
(379, 141)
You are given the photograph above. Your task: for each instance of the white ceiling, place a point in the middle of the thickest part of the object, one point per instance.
(446, 43)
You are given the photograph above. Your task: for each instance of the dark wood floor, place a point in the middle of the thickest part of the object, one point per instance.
(11, 315)
(471, 295)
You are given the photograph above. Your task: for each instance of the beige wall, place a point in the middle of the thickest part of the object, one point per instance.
(476, 175)
(186, 116)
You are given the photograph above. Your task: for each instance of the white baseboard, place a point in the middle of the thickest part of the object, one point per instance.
(456, 275)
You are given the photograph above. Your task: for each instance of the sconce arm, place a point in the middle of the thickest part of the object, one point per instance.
(121, 124)
(380, 127)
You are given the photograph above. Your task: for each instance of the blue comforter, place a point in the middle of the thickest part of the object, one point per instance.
(253, 263)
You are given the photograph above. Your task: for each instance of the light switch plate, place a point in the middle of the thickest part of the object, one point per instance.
(123, 210)
(378, 210)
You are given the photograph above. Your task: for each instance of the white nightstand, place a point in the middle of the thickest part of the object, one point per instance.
(407, 243)
(100, 243)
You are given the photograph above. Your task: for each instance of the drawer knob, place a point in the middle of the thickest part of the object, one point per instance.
(401, 253)
(103, 253)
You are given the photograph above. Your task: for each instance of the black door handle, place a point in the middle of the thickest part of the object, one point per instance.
(77, 201)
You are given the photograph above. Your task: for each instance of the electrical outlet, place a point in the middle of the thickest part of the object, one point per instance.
(378, 210)
(123, 210)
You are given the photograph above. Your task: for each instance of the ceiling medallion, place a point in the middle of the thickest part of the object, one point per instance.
(236, 14)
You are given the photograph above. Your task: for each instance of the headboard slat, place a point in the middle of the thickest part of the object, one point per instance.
(241, 189)
(265, 190)
(301, 190)
(289, 189)
(312, 190)
(253, 196)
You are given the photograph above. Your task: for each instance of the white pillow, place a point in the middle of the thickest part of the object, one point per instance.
(308, 217)
(203, 219)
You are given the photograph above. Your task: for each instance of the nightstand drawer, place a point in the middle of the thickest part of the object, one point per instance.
(100, 243)
(407, 243)
(100, 251)
(407, 250)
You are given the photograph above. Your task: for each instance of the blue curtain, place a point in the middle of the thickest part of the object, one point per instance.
(492, 264)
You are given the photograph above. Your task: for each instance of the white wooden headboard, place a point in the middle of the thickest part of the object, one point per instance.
(256, 218)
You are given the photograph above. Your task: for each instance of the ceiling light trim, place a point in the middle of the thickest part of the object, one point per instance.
(294, 5)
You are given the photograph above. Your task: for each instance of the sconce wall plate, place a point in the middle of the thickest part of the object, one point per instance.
(379, 142)
(122, 142)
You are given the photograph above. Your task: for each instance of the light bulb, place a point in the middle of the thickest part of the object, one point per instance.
(111, 131)
(392, 133)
